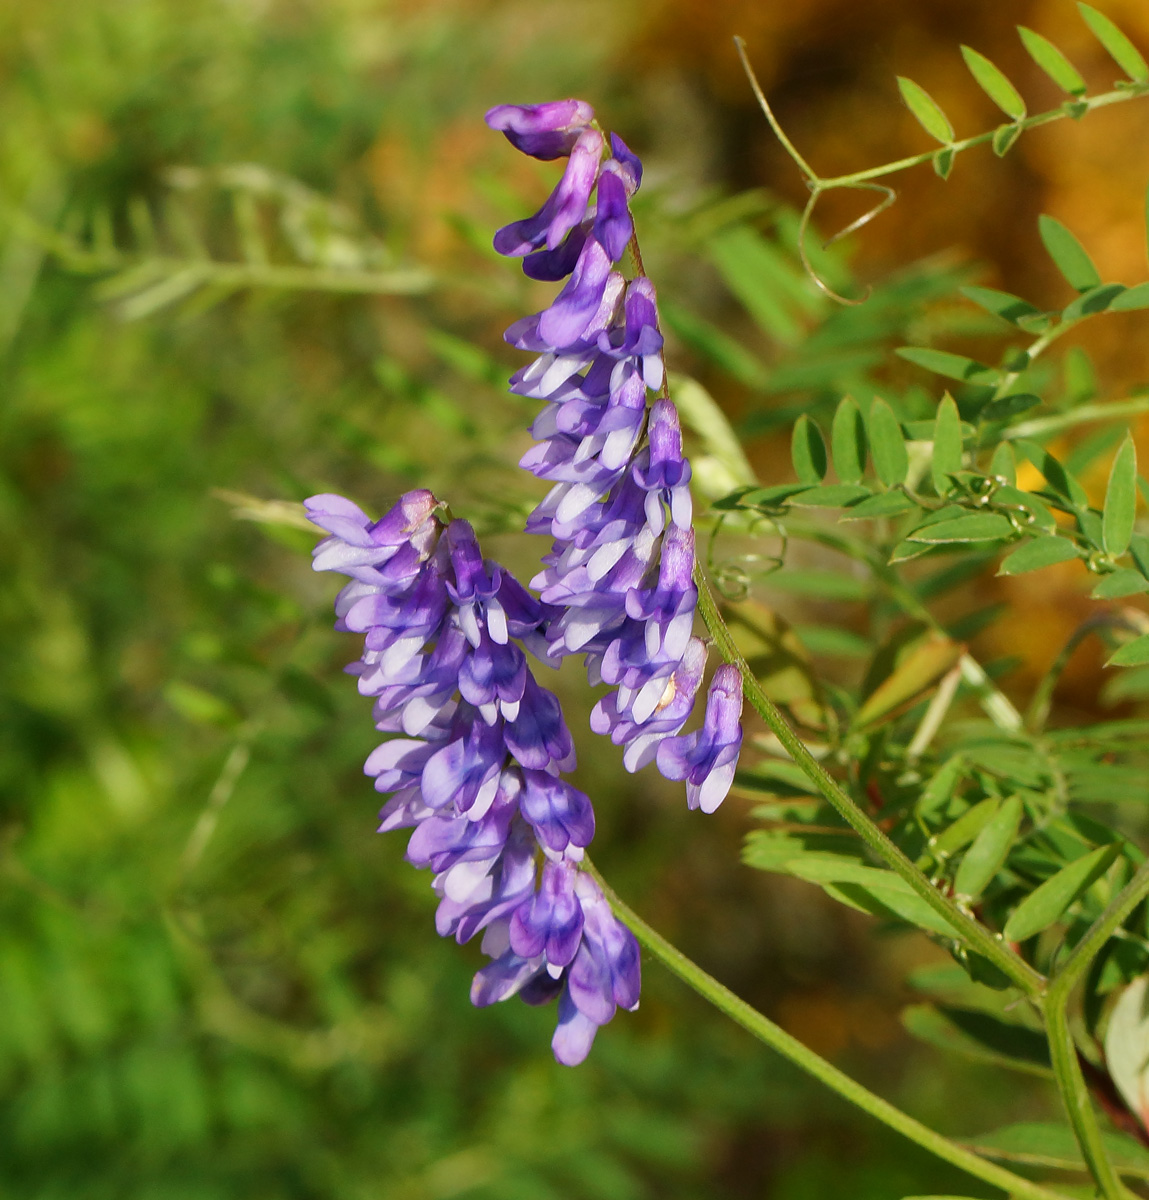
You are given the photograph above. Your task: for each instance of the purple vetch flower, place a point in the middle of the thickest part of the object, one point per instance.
(478, 774)
(706, 759)
(621, 566)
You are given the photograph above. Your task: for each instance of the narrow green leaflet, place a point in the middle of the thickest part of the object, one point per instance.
(808, 451)
(965, 828)
(1124, 53)
(1049, 902)
(973, 527)
(1120, 500)
(1002, 304)
(1125, 582)
(885, 504)
(1052, 62)
(1058, 478)
(952, 366)
(1003, 139)
(926, 109)
(978, 1035)
(1132, 299)
(943, 161)
(848, 442)
(941, 786)
(1003, 465)
(1132, 654)
(989, 850)
(946, 458)
(1043, 552)
(831, 495)
(887, 446)
(1005, 408)
(995, 85)
(1048, 1145)
(1068, 254)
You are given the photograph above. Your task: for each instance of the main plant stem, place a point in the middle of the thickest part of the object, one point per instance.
(813, 1064)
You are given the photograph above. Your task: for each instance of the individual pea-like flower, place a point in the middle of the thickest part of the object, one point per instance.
(621, 566)
(475, 764)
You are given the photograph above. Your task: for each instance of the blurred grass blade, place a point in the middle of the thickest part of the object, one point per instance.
(1049, 902)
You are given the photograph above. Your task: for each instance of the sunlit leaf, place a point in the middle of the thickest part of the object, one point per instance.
(1050, 59)
(1068, 254)
(994, 83)
(926, 109)
(1049, 902)
(1120, 500)
(916, 672)
(1124, 53)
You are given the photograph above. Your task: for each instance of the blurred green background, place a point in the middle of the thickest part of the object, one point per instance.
(216, 980)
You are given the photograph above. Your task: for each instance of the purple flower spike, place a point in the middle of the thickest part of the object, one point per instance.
(620, 511)
(543, 131)
(706, 760)
(478, 778)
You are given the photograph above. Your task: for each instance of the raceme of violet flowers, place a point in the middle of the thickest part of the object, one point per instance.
(621, 566)
(478, 771)
(476, 766)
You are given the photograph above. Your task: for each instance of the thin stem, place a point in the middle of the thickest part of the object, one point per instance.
(980, 139)
(1075, 1096)
(813, 1064)
(979, 938)
(779, 132)
(1063, 1052)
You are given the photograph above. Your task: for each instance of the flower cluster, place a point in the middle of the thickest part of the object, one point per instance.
(475, 760)
(621, 567)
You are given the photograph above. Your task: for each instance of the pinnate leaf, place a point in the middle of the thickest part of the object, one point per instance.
(1050, 901)
(971, 527)
(1068, 254)
(1001, 304)
(1050, 59)
(994, 83)
(1120, 500)
(1124, 53)
(926, 109)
